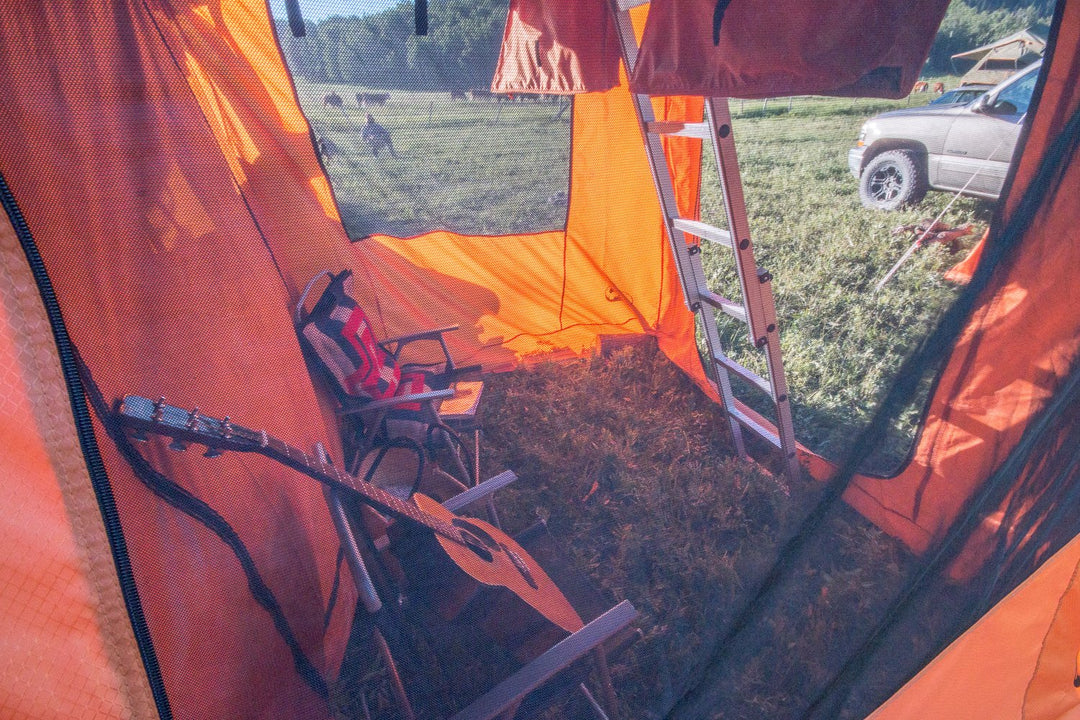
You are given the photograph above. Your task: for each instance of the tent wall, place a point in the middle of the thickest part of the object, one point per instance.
(167, 287)
(1018, 345)
(65, 636)
(994, 669)
(167, 177)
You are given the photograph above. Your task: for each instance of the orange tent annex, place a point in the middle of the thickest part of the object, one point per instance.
(164, 208)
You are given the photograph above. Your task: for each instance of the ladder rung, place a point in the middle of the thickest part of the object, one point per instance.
(697, 130)
(755, 427)
(625, 5)
(721, 303)
(745, 373)
(703, 230)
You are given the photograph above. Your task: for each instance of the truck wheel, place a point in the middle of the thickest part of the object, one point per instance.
(893, 179)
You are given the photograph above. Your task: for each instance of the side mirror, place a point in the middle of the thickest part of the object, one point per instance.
(1004, 107)
(981, 105)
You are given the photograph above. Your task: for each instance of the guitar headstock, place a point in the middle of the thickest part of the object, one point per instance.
(184, 426)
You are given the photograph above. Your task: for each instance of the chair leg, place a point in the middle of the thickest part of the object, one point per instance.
(606, 686)
(366, 590)
(596, 708)
(395, 676)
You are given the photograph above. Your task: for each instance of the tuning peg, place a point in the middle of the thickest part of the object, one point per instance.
(192, 419)
(159, 410)
(226, 428)
(212, 452)
(178, 445)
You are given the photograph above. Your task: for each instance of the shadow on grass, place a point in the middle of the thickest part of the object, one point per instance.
(632, 467)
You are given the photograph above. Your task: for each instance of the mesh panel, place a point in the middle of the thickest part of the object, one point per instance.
(443, 152)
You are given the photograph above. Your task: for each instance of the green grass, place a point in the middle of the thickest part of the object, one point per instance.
(482, 167)
(475, 167)
(842, 341)
(626, 460)
(645, 496)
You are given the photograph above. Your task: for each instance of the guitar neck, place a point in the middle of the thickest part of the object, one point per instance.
(144, 414)
(379, 498)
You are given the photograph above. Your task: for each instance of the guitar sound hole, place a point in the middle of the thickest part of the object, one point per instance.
(477, 532)
(477, 547)
(476, 539)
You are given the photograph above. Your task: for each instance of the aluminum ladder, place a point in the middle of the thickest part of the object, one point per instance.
(757, 308)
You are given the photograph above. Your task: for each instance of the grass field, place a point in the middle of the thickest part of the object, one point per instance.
(841, 340)
(639, 482)
(475, 167)
(481, 167)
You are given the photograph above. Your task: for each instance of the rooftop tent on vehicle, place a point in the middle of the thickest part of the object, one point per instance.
(996, 61)
(164, 206)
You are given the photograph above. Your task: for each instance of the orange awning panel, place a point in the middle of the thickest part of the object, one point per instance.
(558, 47)
(788, 47)
(1018, 346)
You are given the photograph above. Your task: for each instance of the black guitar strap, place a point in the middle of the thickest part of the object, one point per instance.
(197, 509)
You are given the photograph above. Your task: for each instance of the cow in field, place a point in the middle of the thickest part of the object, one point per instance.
(920, 87)
(327, 148)
(457, 95)
(481, 94)
(939, 87)
(371, 99)
(377, 137)
(332, 99)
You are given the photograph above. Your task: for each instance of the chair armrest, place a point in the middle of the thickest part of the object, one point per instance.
(435, 334)
(479, 492)
(559, 656)
(393, 402)
(432, 334)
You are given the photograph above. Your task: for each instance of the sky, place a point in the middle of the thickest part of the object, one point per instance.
(315, 10)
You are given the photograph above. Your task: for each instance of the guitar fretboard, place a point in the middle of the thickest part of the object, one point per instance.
(383, 500)
(157, 417)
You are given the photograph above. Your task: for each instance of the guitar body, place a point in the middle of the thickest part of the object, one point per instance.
(480, 550)
(498, 560)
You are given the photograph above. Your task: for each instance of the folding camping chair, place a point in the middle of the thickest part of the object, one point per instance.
(390, 401)
(550, 670)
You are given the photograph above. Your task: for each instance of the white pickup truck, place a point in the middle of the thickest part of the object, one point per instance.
(964, 148)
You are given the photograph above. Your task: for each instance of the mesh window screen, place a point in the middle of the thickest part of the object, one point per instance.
(410, 134)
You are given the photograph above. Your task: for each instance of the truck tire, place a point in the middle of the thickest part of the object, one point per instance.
(893, 179)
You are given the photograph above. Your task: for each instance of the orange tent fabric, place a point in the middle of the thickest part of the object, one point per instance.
(558, 47)
(867, 48)
(963, 270)
(65, 635)
(1020, 342)
(556, 293)
(1018, 661)
(164, 278)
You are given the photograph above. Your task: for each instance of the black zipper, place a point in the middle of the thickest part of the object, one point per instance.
(99, 479)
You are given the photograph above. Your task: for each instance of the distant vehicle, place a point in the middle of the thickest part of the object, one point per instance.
(961, 95)
(968, 148)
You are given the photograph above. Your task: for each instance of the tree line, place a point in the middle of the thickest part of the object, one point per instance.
(969, 24)
(462, 45)
(459, 52)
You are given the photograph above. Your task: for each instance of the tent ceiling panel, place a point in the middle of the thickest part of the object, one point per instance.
(870, 48)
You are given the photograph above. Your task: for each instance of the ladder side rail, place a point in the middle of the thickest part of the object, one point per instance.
(689, 271)
(785, 424)
(756, 284)
(727, 166)
(665, 192)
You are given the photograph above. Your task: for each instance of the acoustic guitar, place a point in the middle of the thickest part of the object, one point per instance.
(479, 549)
